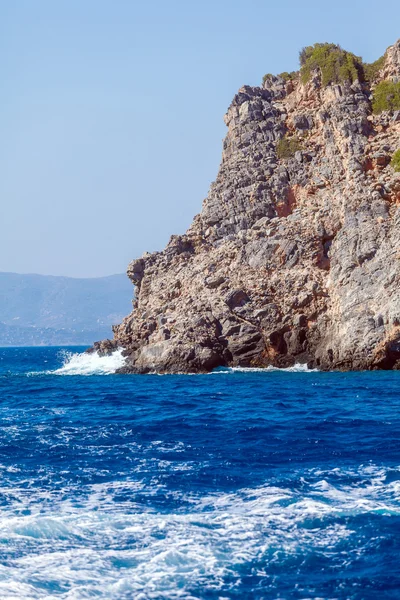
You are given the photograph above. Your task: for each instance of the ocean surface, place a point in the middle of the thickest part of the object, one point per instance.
(245, 485)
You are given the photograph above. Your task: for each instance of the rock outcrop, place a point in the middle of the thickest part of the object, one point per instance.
(293, 258)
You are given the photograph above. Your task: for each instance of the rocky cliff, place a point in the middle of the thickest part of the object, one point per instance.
(295, 256)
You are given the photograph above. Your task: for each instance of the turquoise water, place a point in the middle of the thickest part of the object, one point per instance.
(230, 485)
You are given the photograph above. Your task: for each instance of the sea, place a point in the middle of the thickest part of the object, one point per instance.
(244, 484)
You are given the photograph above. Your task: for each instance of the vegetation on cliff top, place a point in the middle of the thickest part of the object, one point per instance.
(386, 96)
(288, 76)
(371, 70)
(285, 75)
(395, 162)
(336, 65)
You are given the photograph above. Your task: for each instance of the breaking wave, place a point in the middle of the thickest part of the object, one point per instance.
(297, 368)
(77, 363)
(82, 363)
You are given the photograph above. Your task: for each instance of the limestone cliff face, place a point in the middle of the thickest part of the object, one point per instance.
(291, 259)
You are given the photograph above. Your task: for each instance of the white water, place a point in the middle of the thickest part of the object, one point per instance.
(297, 368)
(90, 364)
(119, 550)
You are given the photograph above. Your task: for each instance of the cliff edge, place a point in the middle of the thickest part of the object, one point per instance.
(295, 256)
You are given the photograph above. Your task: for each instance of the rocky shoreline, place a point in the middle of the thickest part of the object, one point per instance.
(295, 256)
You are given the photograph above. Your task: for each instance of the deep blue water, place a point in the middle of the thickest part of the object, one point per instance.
(228, 485)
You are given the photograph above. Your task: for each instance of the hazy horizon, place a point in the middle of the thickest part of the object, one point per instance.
(112, 114)
(34, 273)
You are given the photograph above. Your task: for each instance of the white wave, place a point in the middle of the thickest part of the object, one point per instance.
(90, 364)
(297, 368)
(105, 546)
(82, 363)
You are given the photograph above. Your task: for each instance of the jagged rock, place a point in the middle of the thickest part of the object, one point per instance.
(236, 299)
(214, 282)
(135, 270)
(104, 348)
(291, 259)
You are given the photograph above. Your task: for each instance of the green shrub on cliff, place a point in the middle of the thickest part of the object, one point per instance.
(287, 147)
(285, 75)
(288, 76)
(335, 64)
(267, 76)
(395, 162)
(386, 96)
(371, 70)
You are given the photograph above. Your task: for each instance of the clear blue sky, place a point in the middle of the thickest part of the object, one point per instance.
(112, 113)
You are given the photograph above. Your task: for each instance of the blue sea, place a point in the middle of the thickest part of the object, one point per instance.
(237, 484)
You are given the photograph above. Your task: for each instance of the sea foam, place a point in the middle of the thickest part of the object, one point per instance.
(90, 364)
(78, 363)
(165, 555)
(297, 368)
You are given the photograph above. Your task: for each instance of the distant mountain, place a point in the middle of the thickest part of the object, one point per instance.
(37, 310)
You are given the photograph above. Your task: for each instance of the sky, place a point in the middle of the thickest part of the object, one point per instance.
(111, 113)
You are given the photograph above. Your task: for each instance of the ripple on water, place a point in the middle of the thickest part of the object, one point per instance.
(255, 484)
(90, 543)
